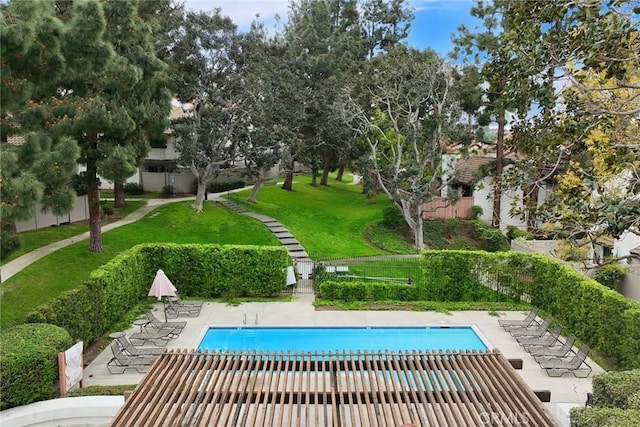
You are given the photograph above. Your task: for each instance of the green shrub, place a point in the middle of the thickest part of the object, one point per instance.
(476, 211)
(450, 226)
(392, 218)
(221, 187)
(610, 275)
(167, 191)
(614, 389)
(496, 241)
(604, 417)
(514, 232)
(133, 188)
(29, 363)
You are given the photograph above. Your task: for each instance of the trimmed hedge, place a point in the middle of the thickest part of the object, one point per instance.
(616, 399)
(615, 389)
(29, 363)
(604, 417)
(202, 271)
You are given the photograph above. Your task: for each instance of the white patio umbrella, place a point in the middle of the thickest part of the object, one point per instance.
(162, 286)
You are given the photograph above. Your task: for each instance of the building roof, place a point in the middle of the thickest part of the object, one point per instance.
(346, 389)
(468, 169)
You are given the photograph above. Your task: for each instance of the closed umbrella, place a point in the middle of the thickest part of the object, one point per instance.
(162, 286)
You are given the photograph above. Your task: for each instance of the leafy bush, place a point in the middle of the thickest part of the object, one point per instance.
(450, 226)
(610, 275)
(514, 232)
(496, 241)
(476, 211)
(221, 187)
(167, 191)
(614, 389)
(392, 218)
(29, 363)
(604, 417)
(133, 188)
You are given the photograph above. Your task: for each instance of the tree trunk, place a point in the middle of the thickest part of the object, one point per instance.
(314, 176)
(532, 205)
(254, 191)
(118, 193)
(197, 203)
(93, 198)
(419, 235)
(497, 182)
(324, 180)
(340, 173)
(288, 181)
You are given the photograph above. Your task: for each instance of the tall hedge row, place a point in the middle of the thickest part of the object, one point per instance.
(202, 271)
(596, 314)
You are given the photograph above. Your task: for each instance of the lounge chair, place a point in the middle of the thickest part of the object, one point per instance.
(543, 341)
(121, 360)
(154, 322)
(172, 310)
(537, 331)
(159, 338)
(530, 320)
(562, 351)
(183, 302)
(556, 367)
(132, 350)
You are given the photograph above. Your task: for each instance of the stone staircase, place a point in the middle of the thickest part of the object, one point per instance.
(297, 253)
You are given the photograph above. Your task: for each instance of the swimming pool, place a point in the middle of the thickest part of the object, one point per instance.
(311, 339)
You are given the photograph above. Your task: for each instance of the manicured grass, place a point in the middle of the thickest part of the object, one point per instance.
(329, 222)
(65, 268)
(35, 239)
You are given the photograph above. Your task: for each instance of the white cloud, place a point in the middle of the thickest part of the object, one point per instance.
(243, 12)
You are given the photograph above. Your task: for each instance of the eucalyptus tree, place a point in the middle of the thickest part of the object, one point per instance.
(208, 80)
(414, 102)
(274, 101)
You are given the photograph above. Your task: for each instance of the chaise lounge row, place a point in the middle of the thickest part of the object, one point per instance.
(127, 354)
(544, 344)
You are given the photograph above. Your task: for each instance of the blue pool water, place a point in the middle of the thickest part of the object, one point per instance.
(341, 338)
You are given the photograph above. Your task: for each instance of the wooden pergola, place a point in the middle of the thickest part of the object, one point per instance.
(187, 388)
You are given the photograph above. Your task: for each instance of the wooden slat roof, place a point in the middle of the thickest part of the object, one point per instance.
(187, 388)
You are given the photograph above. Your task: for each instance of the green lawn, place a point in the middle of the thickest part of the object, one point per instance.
(328, 221)
(67, 267)
(35, 239)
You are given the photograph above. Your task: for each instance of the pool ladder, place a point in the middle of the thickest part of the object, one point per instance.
(244, 320)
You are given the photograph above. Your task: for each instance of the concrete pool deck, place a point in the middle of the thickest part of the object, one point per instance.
(566, 391)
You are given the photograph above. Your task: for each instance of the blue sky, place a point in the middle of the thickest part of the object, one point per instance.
(434, 21)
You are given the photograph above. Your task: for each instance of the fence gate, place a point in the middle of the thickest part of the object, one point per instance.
(304, 270)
